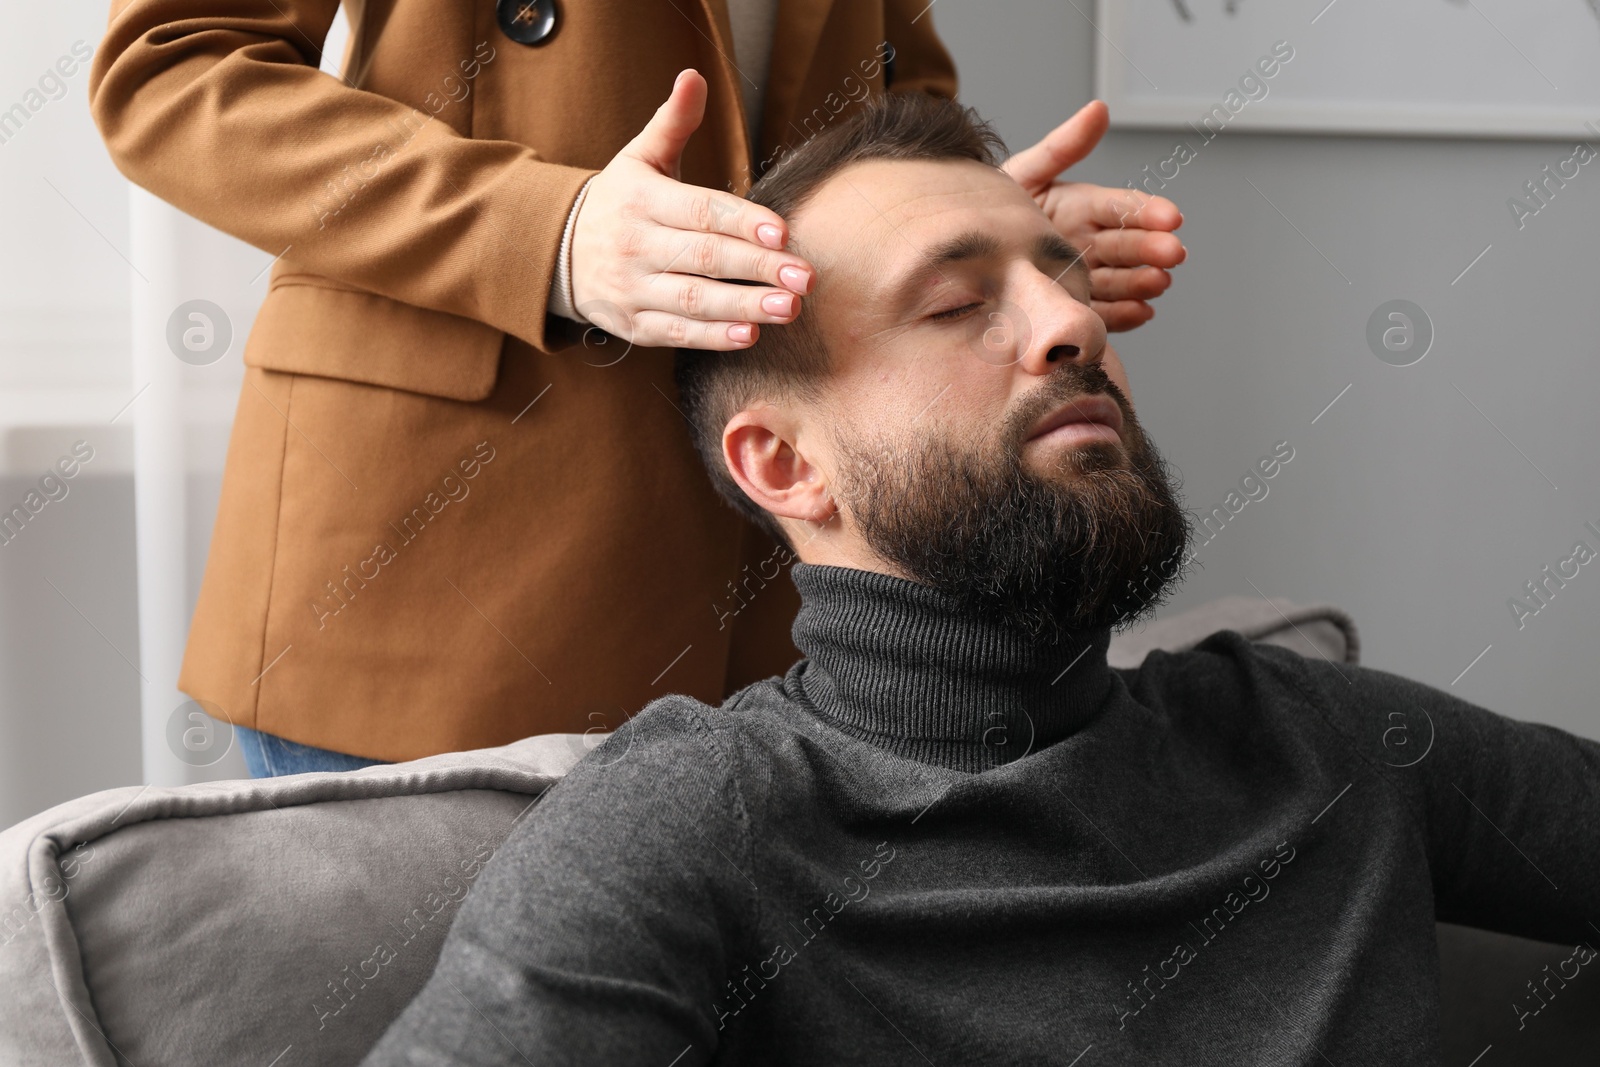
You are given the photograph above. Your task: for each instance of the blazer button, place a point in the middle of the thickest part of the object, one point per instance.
(527, 21)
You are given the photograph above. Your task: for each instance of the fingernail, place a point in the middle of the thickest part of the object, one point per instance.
(794, 278)
(770, 235)
(778, 303)
(740, 332)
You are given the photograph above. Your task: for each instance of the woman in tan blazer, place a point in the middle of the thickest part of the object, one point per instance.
(459, 505)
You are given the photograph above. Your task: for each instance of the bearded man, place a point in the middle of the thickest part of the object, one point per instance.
(953, 833)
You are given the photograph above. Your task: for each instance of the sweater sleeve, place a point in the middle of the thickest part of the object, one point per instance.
(1513, 814)
(604, 927)
(220, 110)
(1510, 810)
(562, 301)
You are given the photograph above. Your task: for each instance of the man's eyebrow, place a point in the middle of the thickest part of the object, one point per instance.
(1052, 246)
(969, 244)
(975, 244)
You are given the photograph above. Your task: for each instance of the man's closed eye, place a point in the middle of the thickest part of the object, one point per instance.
(955, 313)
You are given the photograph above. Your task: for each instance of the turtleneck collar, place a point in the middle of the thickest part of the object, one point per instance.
(898, 664)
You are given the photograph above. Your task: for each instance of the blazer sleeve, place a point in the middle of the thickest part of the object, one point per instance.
(219, 109)
(921, 61)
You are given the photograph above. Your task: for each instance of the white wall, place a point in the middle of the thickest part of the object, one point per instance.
(68, 691)
(72, 675)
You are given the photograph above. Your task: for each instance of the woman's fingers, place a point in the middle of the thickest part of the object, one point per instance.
(1136, 248)
(660, 144)
(698, 297)
(663, 329)
(690, 207)
(715, 255)
(663, 257)
(1120, 315)
(1133, 208)
(1068, 144)
(692, 311)
(1124, 283)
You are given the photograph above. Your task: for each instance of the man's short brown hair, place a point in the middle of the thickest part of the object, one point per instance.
(790, 362)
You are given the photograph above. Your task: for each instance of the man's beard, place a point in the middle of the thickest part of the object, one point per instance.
(1047, 556)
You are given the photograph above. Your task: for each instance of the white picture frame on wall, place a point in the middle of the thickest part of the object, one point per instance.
(1480, 68)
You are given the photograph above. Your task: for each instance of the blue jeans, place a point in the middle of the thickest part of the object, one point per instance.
(267, 755)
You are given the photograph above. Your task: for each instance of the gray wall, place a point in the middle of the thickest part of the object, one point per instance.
(1403, 504)
(69, 628)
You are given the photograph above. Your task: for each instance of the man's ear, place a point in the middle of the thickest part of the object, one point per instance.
(759, 450)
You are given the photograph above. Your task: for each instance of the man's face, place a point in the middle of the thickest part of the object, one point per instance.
(976, 432)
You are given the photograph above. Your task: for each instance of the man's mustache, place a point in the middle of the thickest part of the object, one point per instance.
(1072, 381)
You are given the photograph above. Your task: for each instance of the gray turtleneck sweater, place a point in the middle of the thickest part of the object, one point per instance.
(933, 841)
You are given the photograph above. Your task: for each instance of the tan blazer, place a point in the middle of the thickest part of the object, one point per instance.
(446, 521)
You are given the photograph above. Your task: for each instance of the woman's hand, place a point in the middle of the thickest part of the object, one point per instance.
(1124, 234)
(647, 249)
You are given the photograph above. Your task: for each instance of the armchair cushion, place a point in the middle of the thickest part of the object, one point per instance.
(230, 922)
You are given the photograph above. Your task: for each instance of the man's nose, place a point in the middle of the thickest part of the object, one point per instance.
(1062, 327)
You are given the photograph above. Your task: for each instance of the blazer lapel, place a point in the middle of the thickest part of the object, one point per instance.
(729, 99)
(794, 44)
(716, 12)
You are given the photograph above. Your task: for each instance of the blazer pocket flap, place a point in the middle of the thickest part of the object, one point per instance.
(363, 337)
